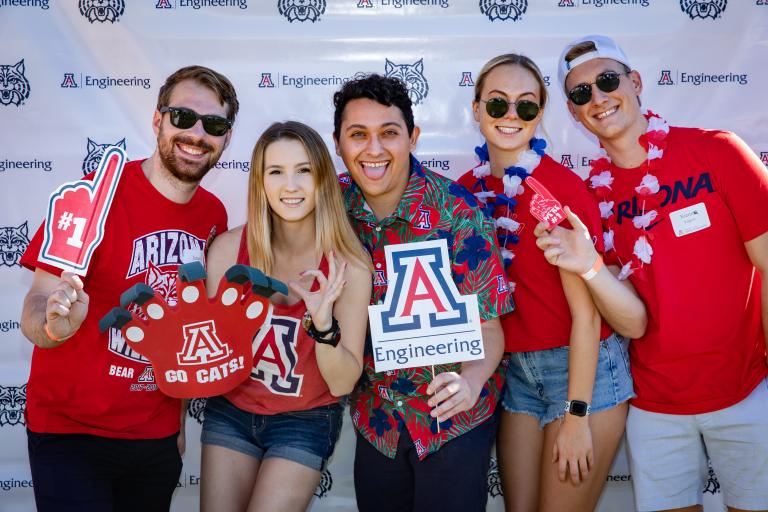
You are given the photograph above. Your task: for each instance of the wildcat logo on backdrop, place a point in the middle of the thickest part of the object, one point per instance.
(13, 243)
(712, 485)
(324, 487)
(14, 86)
(503, 10)
(703, 8)
(301, 10)
(412, 75)
(95, 152)
(13, 399)
(494, 479)
(274, 361)
(196, 409)
(102, 10)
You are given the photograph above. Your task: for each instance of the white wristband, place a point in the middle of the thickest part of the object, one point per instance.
(589, 274)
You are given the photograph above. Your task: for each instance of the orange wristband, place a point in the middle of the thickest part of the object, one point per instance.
(51, 336)
(589, 274)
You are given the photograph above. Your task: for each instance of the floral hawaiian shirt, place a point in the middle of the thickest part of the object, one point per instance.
(432, 207)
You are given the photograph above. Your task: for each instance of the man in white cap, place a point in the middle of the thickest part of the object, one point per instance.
(680, 227)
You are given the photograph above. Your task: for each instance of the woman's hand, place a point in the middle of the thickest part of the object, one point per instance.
(572, 451)
(320, 303)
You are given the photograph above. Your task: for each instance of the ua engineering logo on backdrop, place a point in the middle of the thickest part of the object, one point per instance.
(102, 10)
(301, 10)
(697, 79)
(14, 86)
(412, 75)
(703, 8)
(503, 10)
(197, 4)
(94, 153)
(601, 3)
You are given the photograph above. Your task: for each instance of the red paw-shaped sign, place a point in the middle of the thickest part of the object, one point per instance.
(544, 206)
(77, 212)
(199, 347)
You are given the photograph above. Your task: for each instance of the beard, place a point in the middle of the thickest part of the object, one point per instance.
(184, 171)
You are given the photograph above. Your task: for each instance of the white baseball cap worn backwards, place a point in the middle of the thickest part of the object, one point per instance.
(605, 48)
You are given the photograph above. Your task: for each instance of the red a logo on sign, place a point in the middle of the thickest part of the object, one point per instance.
(466, 79)
(266, 80)
(565, 161)
(201, 345)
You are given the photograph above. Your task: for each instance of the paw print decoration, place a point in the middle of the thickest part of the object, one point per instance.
(199, 347)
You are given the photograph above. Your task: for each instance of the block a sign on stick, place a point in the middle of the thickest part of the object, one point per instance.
(77, 213)
(424, 320)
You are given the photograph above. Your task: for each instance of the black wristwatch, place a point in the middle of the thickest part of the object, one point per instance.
(577, 408)
(330, 337)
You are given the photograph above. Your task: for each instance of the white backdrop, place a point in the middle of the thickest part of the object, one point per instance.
(88, 77)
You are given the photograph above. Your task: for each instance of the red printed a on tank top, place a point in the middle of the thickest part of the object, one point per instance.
(285, 376)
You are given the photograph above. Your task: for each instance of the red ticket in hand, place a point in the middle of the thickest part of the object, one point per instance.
(544, 206)
(77, 212)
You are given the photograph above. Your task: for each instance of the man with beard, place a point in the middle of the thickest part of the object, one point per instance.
(101, 436)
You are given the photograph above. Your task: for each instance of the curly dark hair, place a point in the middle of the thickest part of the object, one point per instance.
(385, 90)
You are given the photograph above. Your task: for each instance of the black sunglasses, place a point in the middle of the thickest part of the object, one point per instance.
(184, 119)
(606, 82)
(498, 107)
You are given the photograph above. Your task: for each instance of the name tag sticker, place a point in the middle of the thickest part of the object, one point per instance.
(690, 219)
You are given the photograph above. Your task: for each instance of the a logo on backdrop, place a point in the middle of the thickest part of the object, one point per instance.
(503, 10)
(266, 80)
(601, 3)
(565, 160)
(703, 8)
(423, 320)
(102, 10)
(13, 242)
(80, 80)
(14, 86)
(198, 4)
(695, 79)
(301, 10)
(325, 485)
(764, 157)
(275, 359)
(466, 79)
(412, 75)
(666, 77)
(13, 399)
(399, 4)
(94, 153)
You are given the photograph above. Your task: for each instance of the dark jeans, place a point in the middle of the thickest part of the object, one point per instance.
(454, 478)
(85, 473)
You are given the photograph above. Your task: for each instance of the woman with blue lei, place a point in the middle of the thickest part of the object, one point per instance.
(568, 382)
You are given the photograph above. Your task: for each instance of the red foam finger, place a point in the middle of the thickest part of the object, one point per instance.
(544, 207)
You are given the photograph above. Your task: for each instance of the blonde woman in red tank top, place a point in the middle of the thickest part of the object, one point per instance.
(266, 442)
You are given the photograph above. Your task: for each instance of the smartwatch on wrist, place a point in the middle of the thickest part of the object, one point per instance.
(577, 408)
(329, 337)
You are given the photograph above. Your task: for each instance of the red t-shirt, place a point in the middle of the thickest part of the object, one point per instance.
(285, 376)
(704, 348)
(542, 319)
(93, 383)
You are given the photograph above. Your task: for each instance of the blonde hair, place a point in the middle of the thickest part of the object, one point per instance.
(512, 59)
(332, 227)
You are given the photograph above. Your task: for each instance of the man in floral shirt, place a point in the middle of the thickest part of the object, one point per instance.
(391, 199)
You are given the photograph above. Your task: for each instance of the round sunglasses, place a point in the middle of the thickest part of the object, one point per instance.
(526, 110)
(606, 82)
(184, 119)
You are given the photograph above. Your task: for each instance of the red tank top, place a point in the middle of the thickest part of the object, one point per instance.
(285, 376)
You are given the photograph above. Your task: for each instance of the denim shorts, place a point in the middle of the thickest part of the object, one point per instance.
(537, 381)
(307, 437)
